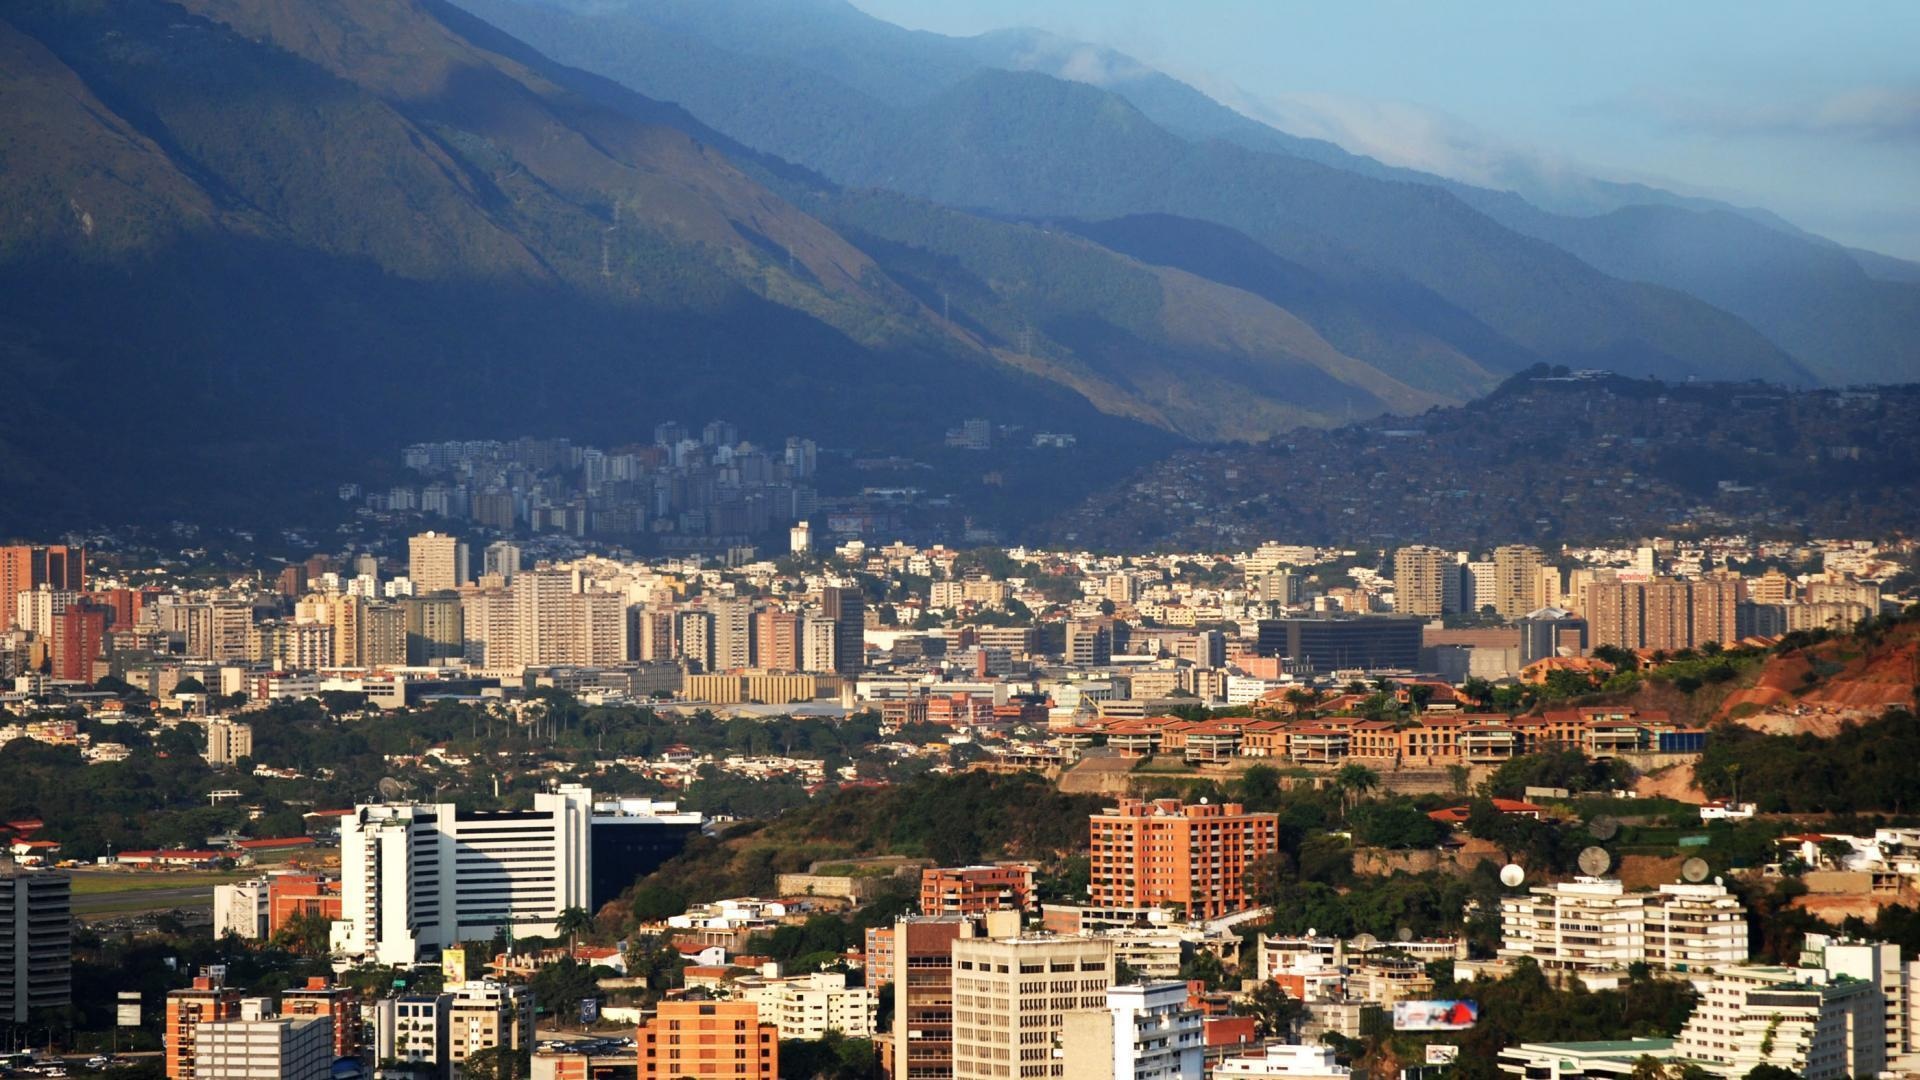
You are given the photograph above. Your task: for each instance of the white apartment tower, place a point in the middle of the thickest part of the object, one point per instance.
(1593, 927)
(1146, 1032)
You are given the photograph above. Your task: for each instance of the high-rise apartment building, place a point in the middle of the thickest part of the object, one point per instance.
(36, 943)
(1807, 1022)
(921, 974)
(339, 1005)
(777, 640)
(1666, 611)
(24, 568)
(708, 1040)
(1146, 1032)
(1426, 581)
(1195, 856)
(435, 629)
(219, 630)
(79, 639)
(732, 634)
(1616, 614)
(695, 634)
(543, 620)
(293, 646)
(205, 1002)
(1011, 998)
(1716, 611)
(502, 557)
(819, 638)
(1477, 591)
(653, 634)
(227, 743)
(1516, 579)
(436, 562)
(847, 609)
(1595, 927)
(254, 1046)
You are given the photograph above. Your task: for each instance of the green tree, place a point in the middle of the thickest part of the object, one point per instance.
(573, 922)
(1352, 781)
(1275, 1015)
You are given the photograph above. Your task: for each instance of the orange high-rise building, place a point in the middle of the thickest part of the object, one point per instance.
(338, 1003)
(708, 1040)
(79, 633)
(1152, 854)
(203, 1003)
(24, 568)
(776, 636)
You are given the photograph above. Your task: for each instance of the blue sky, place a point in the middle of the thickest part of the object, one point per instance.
(1812, 111)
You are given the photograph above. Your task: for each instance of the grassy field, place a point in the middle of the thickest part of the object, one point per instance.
(117, 883)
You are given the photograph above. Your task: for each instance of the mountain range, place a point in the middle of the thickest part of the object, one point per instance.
(1092, 133)
(249, 237)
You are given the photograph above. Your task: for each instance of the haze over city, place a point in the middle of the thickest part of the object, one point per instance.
(882, 540)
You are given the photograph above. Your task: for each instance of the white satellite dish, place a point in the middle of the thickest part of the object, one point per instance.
(1603, 827)
(1594, 861)
(1365, 942)
(391, 789)
(1311, 932)
(1512, 876)
(1695, 870)
(1405, 933)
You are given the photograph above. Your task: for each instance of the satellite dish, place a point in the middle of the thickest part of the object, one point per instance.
(1311, 932)
(1365, 942)
(1603, 828)
(1512, 876)
(1594, 861)
(1405, 933)
(1695, 870)
(390, 789)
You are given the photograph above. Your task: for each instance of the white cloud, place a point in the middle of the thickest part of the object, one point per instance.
(1874, 113)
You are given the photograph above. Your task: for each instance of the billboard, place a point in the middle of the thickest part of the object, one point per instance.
(453, 966)
(1434, 1015)
(1442, 1053)
(127, 1012)
(589, 1010)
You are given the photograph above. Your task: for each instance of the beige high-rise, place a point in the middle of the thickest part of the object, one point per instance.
(1011, 997)
(1516, 580)
(436, 562)
(1716, 608)
(1420, 581)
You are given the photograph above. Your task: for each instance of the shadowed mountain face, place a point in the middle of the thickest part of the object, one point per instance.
(951, 119)
(313, 229)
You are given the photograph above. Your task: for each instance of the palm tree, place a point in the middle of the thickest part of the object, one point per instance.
(573, 922)
(1354, 780)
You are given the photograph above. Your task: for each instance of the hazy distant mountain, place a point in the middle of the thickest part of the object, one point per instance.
(864, 103)
(819, 81)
